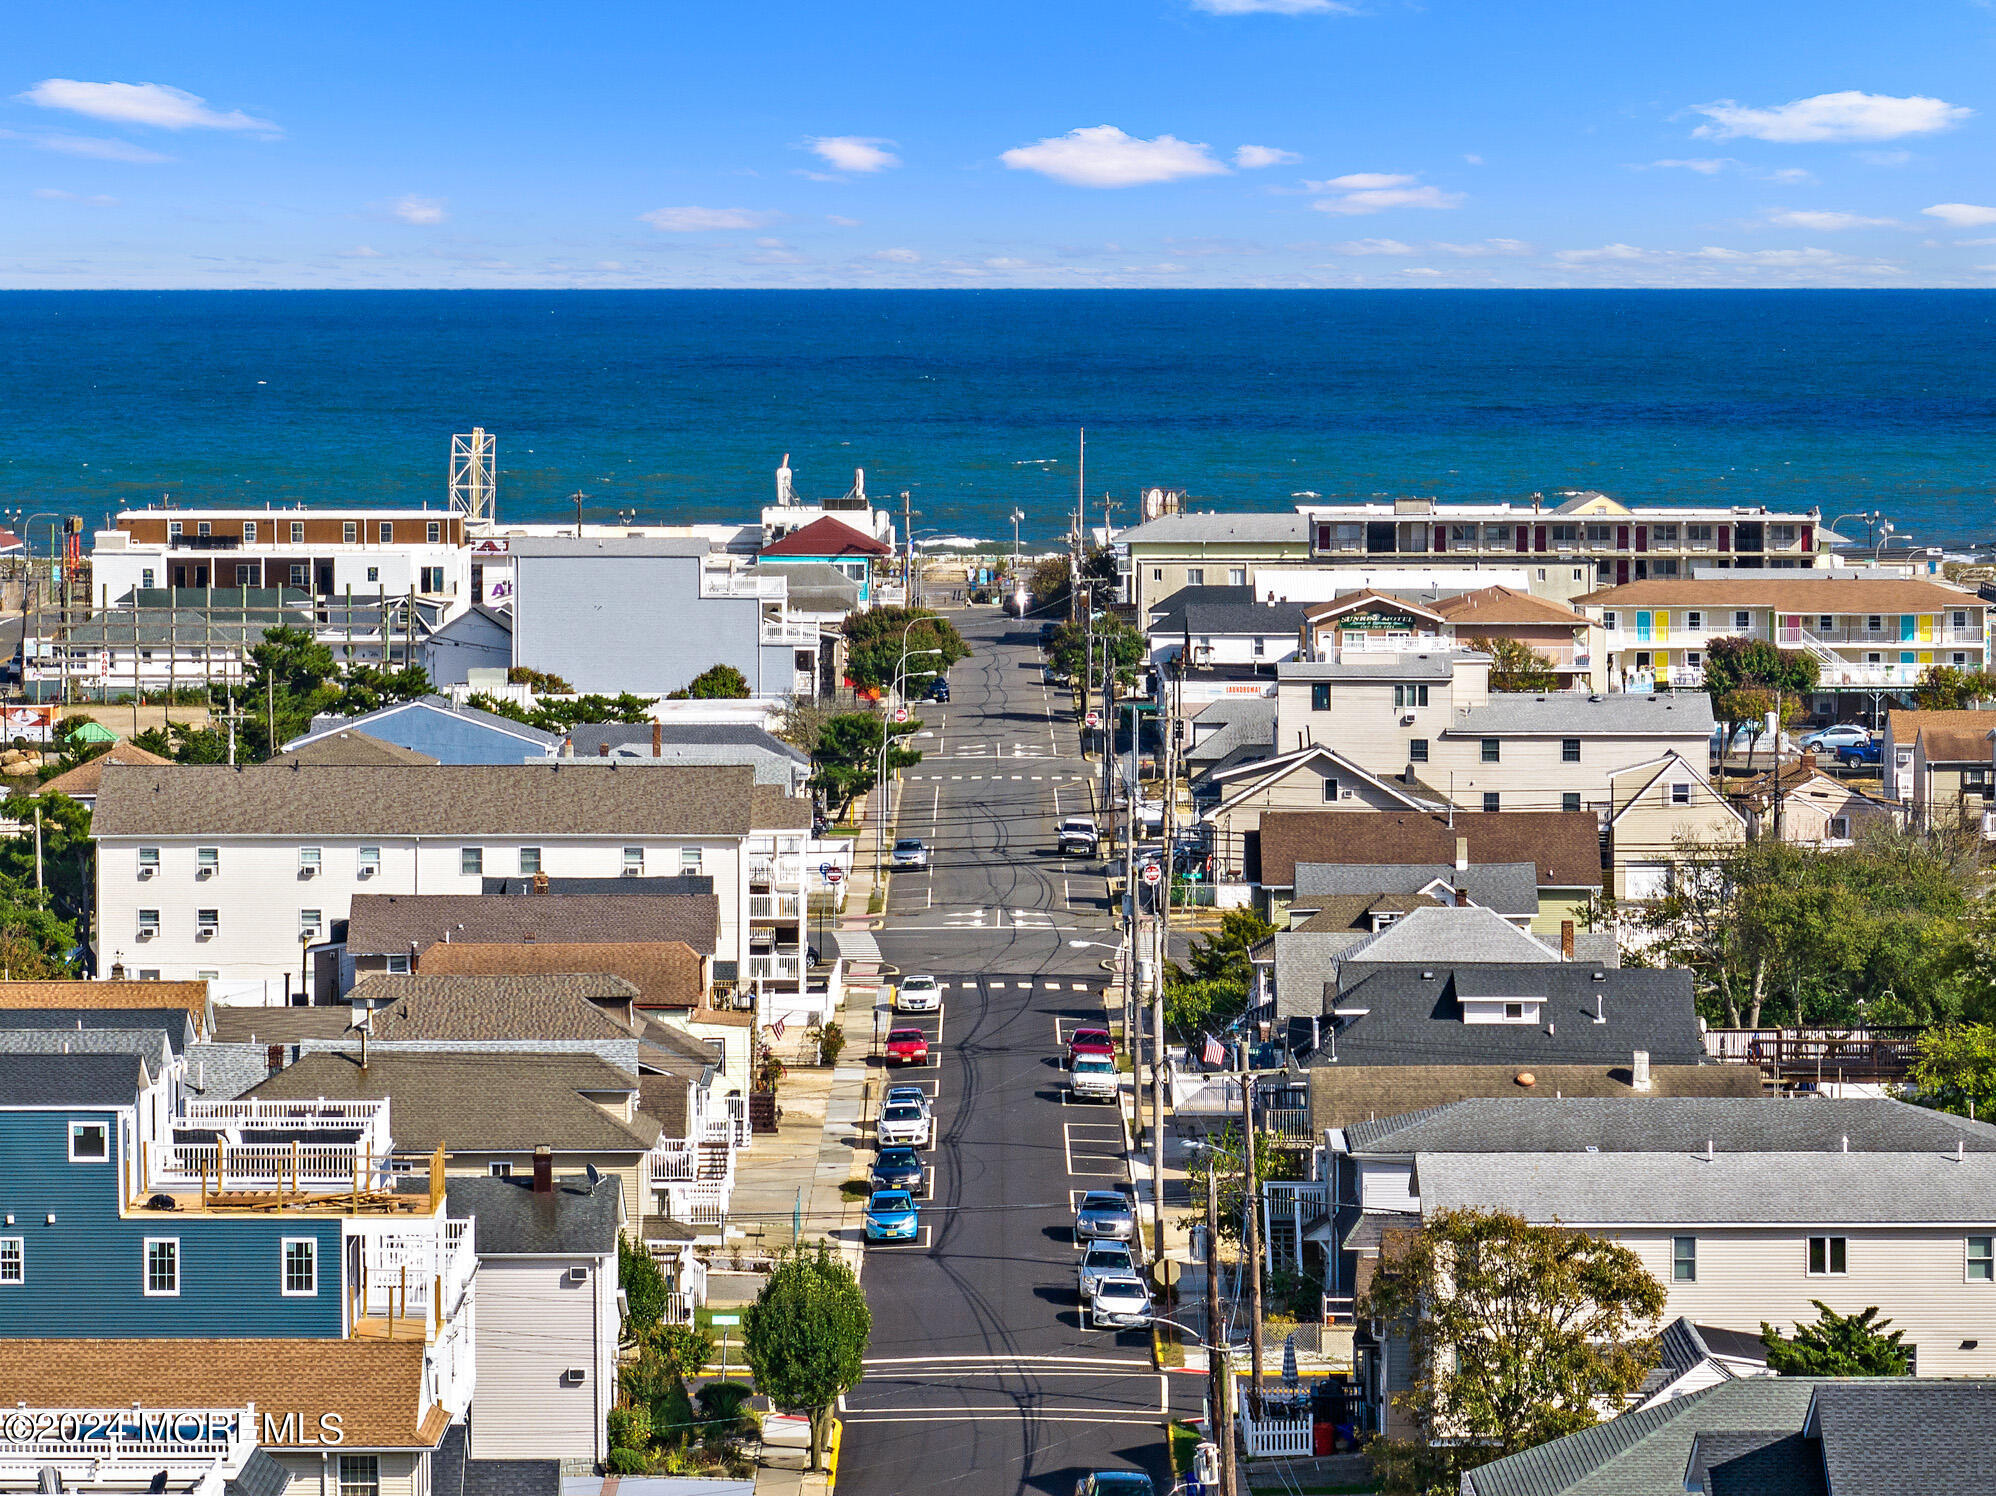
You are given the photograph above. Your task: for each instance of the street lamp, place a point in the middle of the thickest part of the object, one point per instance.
(880, 772)
(1884, 537)
(1870, 521)
(28, 571)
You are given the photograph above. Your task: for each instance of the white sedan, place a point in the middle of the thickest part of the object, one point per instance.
(918, 994)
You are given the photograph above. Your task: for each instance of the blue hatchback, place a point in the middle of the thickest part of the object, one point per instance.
(890, 1216)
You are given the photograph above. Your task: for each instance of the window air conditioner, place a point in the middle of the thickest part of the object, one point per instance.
(367, 872)
(204, 872)
(206, 932)
(146, 932)
(147, 872)
(578, 1275)
(308, 872)
(632, 872)
(1407, 720)
(575, 1376)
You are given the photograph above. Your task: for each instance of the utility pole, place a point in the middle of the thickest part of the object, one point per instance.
(1157, 1095)
(908, 539)
(1252, 1236)
(1217, 1423)
(578, 496)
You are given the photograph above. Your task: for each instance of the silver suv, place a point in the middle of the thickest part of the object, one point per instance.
(1103, 1259)
(1104, 1214)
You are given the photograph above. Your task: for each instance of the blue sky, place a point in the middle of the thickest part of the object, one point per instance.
(1024, 143)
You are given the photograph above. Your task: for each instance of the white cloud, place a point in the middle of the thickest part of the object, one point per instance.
(703, 220)
(1716, 264)
(1847, 115)
(1103, 156)
(844, 223)
(413, 209)
(361, 252)
(1474, 160)
(1961, 215)
(1792, 175)
(895, 256)
(1705, 166)
(1273, 7)
(858, 154)
(152, 104)
(1375, 192)
(1255, 157)
(1374, 247)
(1884, 158)
(58, 195)
(1482, 249)
(1829, 223)
(1424, 270)
(90, 146)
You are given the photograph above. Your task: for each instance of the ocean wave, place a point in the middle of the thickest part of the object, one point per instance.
(952, 543)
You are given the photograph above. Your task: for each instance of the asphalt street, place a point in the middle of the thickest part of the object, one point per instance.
(980, 1379)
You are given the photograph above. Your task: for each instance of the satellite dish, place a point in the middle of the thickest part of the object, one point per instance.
(594, 1175)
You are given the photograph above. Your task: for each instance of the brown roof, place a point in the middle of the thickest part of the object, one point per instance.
(1344, 602)
(84, 778)
(666, 973)
(565, 1006)
(666, 1099)
(1502, 605)
(1804, 594)
(351, 749)
(1341, 1095)
(193, 996)
(431, 800)
(475, 1103)
(1564, 844)
(1950, 737)
(827, 537)
(383, 923)
(376, 1386)
(262, 1025)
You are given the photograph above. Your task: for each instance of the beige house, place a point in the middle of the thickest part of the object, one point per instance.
(1655, 809)
(1569, 640)
(1175, 551)
(1938, 764)
(1815, 808)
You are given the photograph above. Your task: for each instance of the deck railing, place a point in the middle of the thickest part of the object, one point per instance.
(319, 1166)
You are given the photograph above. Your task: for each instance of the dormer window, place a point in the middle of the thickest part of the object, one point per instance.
(1520, 1010)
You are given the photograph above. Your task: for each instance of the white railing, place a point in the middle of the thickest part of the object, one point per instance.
(775, 906)
(679, 1307)
(742, 584)
(1275, 1436)
(674, 1161)
(320, 1113)
(401, 1274)
(773, 968)
(741, 1134)
(175, 1436)
(790, 633)
(700, 1204)
(322, 1166)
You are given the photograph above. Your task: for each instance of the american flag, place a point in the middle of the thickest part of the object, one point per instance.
(1212, 1056)
(776, 1029)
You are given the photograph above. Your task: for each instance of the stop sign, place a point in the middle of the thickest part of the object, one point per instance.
(1152, 874)
(1094, 719)
(900, 714)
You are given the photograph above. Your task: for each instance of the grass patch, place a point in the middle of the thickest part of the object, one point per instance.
(877, 902)
(856, 1189)
(1167, 1352)
(1184, 1439)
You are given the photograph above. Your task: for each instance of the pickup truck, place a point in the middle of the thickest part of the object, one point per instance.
(1860, 755)
(1079, 837)
(1093, 1078)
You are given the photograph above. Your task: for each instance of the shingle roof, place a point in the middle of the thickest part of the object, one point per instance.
(556, 1007)
(665, 974)
(476, 1102)
(1800, 594)
(1565, 844)
(1494, 607)
(150, 1045)
(322, 726)
(82, 780)
(281, 1025)
(1342, 1095)
(69, 1079)
(667, 1099)
(1266, 620)
(1951, 737)
(1439, 665)
(350, 748)
(1886, 1436)
(1453, 934)
(1253, 529)
(1247, 722)
(1622, 714)
(827, 537)
(589, 737)
(376, 1386)
(577, 1216)
(381, 923)
(441, 800)
(176, 1023)
(516, 1478)
(1507, 887)
(190, 996)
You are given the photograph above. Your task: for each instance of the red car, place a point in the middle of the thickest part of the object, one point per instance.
(1091, 1042)
(907, 1047)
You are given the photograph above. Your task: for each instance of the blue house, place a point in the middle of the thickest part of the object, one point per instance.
(831, 542)
(449, 734)
(131, 1208)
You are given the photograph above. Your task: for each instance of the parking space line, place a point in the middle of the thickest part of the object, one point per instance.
(921, 1242)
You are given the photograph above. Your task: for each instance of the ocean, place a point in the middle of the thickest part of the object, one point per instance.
(678, 405)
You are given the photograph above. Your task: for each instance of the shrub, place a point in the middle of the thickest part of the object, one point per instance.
(628, 1462)
(630, 1428)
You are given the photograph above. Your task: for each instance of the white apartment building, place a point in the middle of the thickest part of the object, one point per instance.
(237, 875)
(1867, 633)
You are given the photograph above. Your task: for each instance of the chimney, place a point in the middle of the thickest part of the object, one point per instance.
(1639, 1071)
(1461, 853)
(543, 1171)
(602, 750)
(658, 740)
(540, 881)
(1566, 940)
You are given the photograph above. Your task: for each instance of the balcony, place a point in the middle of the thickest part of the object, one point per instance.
(776, 907)
(220, 1167)
(796, 635)
(411, 1277)
(742, 584)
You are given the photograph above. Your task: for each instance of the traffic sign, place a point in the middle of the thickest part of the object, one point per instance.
(1094, 719)
(1152, 874)
(900, 714)
(826, 869)
(725, 1319)
(833, 875)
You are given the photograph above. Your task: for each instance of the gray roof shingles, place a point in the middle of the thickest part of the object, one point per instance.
(577, 1216)
(390, 923)
(1621, 714)
(69, 1079)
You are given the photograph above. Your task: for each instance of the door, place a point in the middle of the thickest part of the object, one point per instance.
(1662, 626)
(1907, 626)
(1538, 537)
(1927, 628)
(1642, 539)
(1524, 539)
(1622, 572)
(1642, 628)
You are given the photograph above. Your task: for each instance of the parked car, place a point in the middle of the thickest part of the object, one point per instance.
(1743, 739)
(907, 1096)
(939, 690)
(908, 1125)
(1861, 755)
(1844, 734)
(1114, 1483)
(898, 1168)
(1093, 1078)
(1104, 1214)
(1120, 1303)
(1105, 1259)
(1078, 837)
(1094, 1042)
(910, 852)
(891, 1216)
(918, 994)
(907, 1046)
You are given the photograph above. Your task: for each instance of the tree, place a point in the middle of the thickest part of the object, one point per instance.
(880, 640)
(1516, 666)
(560, 716)
(1049, 587)
(847, 756)
(1068, 650)
(1223, 955)
(369, 688)
(805, 1335)
(1948, 688)
(643, 1284)
(715, 683)
(1955, 1070)
(1223, 1161)
(1193, 1004)
(68, 857)
(1745, 678)
(542, 682)
(1515, 1330)
(1838, 1345)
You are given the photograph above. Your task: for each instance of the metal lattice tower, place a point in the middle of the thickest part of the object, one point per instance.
(471, 474)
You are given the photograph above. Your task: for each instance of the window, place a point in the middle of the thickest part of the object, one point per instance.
(148, 861)
(374, 573)
(350, 531)
(300, 1267)
(1514, 1012)
(309, 861)
(13, 1260)
(368, 861)
(500, 1168)
(89, 1142)
(1490, 800)
(1828, 1256)
(297, 573)
(1981, 1260)
(1492, 750)
(1569, 750)
(1699, 535)
(249, 532)
(530, 861)
(1417, 750)
(162, 1266)
(207, 861)
(203, 527)
(1742, 621)
(1157, 573)
(148, 924)
(1569, 800)
(207, 922)
(360, 1475)
(433, 579)
(1693, 660)
(1330, 790)
(151, 974)
(471, 861)
(1320, 696)
(689, 861)
(297, 532)
(634, 862)
(1195, 576)
(1839, 828)
(311, 924)
(1608, 620)
(398, 965)
(1236, 575)
(173, 529)
(1410, 695)
(1684, 1259)
(1260, 647)
(1873, 623)
(387, 533)
(146, 577)
(1694, 620)
(1680, 794)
